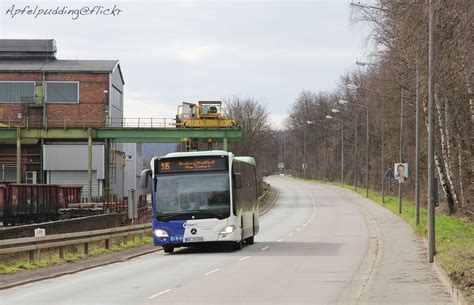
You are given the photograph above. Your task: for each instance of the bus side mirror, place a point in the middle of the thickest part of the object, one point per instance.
(237, 181)
(146, 173)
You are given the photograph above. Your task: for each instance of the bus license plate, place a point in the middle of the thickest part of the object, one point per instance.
(193, 239)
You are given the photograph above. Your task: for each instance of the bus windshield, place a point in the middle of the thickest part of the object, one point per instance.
(193, 195)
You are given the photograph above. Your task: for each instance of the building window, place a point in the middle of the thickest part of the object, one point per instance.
(17, 92)
(62, 92)
(117, 98)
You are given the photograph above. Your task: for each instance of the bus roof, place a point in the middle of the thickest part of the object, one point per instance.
(197, 154)
(208, 153)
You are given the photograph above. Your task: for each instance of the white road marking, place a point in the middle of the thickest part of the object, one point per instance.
(211, 272)
(298, 229)
(265, 248)
(290, 234)
(304, 225)
(280, 240)
(159, 293)
(243, 258)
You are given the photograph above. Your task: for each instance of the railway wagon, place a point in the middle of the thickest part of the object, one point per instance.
(28, 203)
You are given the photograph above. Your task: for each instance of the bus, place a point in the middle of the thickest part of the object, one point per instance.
(202, 197)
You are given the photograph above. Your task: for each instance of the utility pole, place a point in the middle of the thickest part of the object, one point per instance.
(417, 139)
(304, 153)
(352, 86)
(325, 149)
(355, 149)
(89, 164)
(400, 187)
(342, 143)
(342, 152)
(343, 102)
(382, 151)
(325, 153)
(431, 138)
(367, 153)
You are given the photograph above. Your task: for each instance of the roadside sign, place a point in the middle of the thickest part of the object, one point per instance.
(40, 232)
(305, 166)
(401, 172)
(281, 165)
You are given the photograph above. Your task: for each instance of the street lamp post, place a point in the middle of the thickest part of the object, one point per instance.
(342, 143)
(400, 185)
(382, 128)
(325, 149)
(343, 102)
(431, 138)
(417, 139)
(304, 148)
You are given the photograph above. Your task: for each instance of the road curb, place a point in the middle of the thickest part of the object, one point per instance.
(272, 204)
(59, 274)
(456, 293)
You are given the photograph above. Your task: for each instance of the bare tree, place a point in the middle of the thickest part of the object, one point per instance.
(258, 139)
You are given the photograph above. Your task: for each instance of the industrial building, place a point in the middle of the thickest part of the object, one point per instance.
(37, 90)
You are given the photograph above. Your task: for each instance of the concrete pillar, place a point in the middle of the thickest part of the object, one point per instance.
(225, 145)
(89, 163)
(18, 155)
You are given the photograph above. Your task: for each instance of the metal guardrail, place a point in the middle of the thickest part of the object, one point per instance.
(264, 194)
(34, 245)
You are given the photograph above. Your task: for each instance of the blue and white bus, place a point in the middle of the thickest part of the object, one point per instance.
(203, 197)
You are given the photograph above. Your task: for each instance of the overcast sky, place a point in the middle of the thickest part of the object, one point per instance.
(174, 51)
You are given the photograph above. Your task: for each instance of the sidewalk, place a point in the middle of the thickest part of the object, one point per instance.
(397, 272)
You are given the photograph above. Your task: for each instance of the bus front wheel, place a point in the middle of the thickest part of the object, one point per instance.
(238, 245)
(168, 249)
(250, 240)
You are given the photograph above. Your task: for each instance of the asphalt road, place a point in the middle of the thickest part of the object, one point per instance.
(309, 249)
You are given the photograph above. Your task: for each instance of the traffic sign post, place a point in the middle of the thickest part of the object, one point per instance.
(401, 176)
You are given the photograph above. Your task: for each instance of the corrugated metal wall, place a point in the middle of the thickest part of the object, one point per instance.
(76, 177)
(73, 157)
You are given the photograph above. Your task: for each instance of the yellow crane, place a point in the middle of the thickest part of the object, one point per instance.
(204, 114)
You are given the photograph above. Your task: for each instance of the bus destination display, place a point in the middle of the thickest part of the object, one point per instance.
(179, 165)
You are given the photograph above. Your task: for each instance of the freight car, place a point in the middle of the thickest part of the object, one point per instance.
(29, 203)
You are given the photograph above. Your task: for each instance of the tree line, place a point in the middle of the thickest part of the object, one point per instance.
(388, 87)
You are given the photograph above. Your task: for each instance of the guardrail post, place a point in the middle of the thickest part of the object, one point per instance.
(61, 252)
(32, 256)
(124, 240)
(107, 244)
(86, 248)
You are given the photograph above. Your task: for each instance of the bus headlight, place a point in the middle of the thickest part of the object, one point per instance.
(161, 233)
(228, 229)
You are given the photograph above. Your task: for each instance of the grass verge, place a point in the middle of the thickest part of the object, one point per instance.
(13, 267)
(454, 237)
